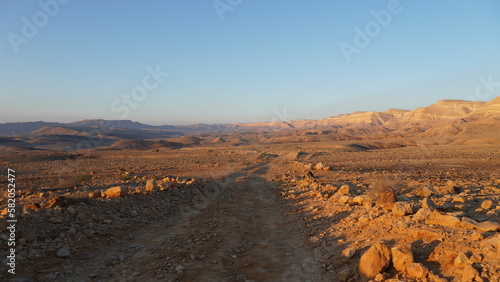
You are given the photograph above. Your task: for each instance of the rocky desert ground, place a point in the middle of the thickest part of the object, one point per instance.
(361, 201)
(283, 212)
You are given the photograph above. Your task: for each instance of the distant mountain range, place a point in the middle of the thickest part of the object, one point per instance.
(444, 118)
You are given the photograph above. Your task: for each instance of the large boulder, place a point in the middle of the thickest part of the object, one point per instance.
(374, 261)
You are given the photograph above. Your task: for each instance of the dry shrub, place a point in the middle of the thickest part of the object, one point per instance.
(378, 183)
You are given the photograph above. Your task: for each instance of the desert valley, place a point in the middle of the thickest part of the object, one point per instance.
(399, 195)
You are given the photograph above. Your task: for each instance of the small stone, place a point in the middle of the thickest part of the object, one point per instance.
(63, 253)
(319, 166)
(488, 226)
(56, 220)
(94, 195)
(492, 242)
(417, 270)
(458, 199)
(71, 231)
(438, 218)
(425, 191)
(422, 214)
(345, 199)
(461, 260)
(345, 274)
(31, 207)
(468, 223)
(151, 185)
(427, 203)
(344, 190)
(56, 201)
(116, 192)
(487, 204)
(401, 209)
(349, 252)
(477, 236)
(469, 272)
(361, 199)
(107, 221)
(379, 277)
(133, 213)
(401, 257)
(179, 268)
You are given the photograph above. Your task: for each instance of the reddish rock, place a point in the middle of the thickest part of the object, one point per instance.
(374, 261)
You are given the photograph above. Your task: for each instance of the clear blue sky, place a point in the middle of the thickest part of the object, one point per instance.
(259, 58)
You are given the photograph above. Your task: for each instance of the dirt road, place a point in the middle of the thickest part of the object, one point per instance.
(244, 233)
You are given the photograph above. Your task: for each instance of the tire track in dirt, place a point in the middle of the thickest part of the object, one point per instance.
(245, 234)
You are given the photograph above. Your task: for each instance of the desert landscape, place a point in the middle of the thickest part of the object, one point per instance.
(252, 141)
(399, 195)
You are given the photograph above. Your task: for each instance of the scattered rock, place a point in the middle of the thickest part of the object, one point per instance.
(56, 201)
(468, 223)
(320, 166)
(401, 257)
(438, 218)
(94, 195)
(56, 220)
(469, 273)
(379, 277)
(458, 199)
(487, 204)
(345, 199)
(427, 203)
(63, 253)
(386, 195)
(422, 214)
(116, 192)
(361, 199)
(425, 191)
(349, 252)
(33, 207)
(151, 185)
(488, 226)
(344, 190)
(417, 270)
(493, 242)
(402, 209)
(345, 274)
(461, 260)
(374, 261)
